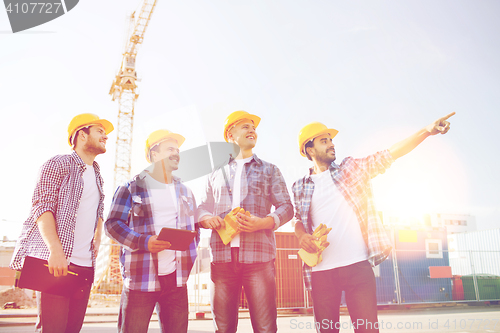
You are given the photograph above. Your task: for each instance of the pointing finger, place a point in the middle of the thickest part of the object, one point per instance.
(448, 116)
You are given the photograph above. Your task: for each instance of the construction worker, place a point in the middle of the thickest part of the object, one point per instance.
(340, 196)
(65, 223)
(248, 260)
(152, 274)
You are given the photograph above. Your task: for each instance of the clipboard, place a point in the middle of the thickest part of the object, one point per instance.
(179, 238)
(35, 275)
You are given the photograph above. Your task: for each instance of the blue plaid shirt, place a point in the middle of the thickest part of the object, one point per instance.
(352, 178)
(262, 187)
(130, 223)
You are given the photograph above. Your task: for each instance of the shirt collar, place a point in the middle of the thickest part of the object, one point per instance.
(78, 160)
(144, 172)
(254, 158)
(332, 167)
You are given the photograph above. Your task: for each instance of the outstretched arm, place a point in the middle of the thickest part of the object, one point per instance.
(407, 145)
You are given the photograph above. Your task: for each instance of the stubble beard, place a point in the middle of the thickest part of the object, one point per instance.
(324, 158)
(94, 147)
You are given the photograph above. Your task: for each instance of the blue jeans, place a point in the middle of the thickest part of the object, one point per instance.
(358, 282)
(59, 314)
(258, 281)
(136, 308)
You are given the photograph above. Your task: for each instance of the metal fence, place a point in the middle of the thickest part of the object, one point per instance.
(462, 276)
(404, 278)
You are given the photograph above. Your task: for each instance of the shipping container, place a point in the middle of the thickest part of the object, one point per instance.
(415, 251)
(290, 290)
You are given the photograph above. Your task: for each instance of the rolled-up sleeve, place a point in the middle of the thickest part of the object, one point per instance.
(377, 163)
(46, 194)
(207, 205)
(280, 197)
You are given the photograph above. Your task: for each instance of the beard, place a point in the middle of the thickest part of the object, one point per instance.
(93, 146)
(323, 157)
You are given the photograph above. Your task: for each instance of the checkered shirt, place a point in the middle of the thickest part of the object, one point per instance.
(352, 178)
(262, 187)
(131, 224)
(58, 190)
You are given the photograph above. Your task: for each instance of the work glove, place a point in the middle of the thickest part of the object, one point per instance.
(231, 225)
(312, 259)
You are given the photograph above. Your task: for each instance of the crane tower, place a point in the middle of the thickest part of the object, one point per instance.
(124, 90)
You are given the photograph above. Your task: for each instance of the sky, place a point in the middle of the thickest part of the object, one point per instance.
(375, 71)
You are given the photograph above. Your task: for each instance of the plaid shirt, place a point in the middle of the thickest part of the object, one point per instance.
(130, 223)
(262, 186)
(352, 178)
(58, 190)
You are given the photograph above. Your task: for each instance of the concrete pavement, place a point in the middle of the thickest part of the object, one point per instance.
(461, 318)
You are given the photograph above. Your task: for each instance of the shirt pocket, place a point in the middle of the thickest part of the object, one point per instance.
(187, 205)
(137, 206)
(255, 183)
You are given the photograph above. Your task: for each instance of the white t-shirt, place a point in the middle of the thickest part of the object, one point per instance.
(86, 217)
(164, 205)
(240, 164)
(328, 206)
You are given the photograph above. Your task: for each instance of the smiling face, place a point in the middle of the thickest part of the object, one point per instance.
(323, 150)
(168, 151)
(243, 134)
(95, 141)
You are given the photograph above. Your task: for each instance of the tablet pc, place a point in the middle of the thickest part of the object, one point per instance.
(178, 238)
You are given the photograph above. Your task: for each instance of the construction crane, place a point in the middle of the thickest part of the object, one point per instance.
(124, 90)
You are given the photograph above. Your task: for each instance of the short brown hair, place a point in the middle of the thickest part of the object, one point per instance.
(85, 130)
(309, 144)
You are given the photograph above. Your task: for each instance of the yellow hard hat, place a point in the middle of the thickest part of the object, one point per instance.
(237, 116)
(158, 137)
(311, 131)
(87, 119)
